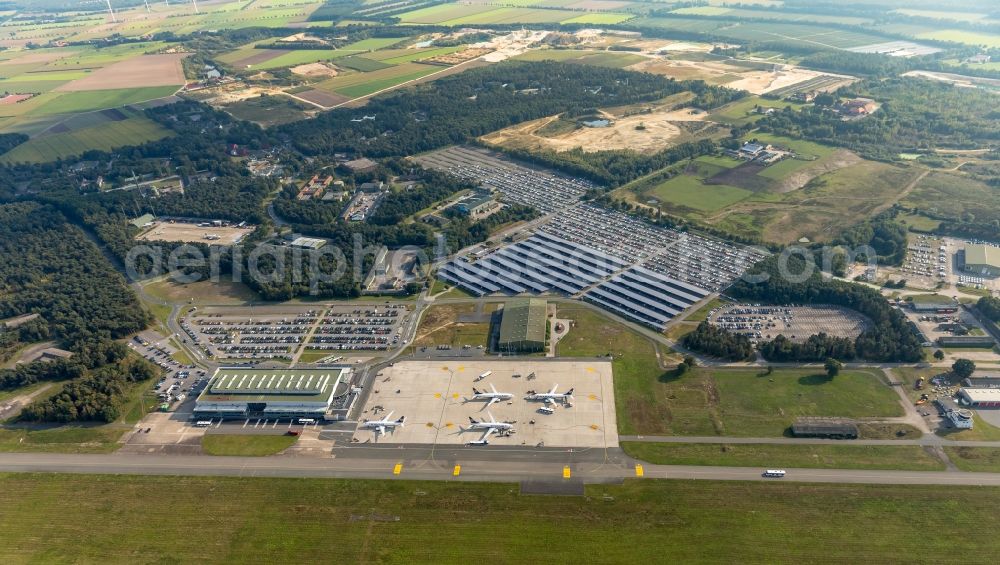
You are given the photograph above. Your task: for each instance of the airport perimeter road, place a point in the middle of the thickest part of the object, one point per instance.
(489, 471)
(928, 439)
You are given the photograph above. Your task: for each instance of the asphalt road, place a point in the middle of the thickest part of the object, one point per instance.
(473, 470)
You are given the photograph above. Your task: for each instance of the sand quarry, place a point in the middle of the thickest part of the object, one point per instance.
(660, 132)
(718, 72)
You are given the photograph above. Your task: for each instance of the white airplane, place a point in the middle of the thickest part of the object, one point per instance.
(492, 397)
(552, 396)
(380, 426)
(489, 428)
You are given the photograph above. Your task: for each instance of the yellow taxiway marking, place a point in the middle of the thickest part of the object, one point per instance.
(444, 368)
(592, 397)
(566, 472)
(448, 425)
(638, 470)
(454, 395)
(457, 471)
(437, 395)
(460, 368)
(590, 369)
(397, 469)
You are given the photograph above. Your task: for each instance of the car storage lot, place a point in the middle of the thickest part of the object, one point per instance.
(430, 395)
(279, 332)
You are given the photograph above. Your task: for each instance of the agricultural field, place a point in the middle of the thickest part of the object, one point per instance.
(963, 36)
(364, 521)
(613, 59)
(363, 84)
(269, 110)
(745, 111)
(105, 136)
(689, 189)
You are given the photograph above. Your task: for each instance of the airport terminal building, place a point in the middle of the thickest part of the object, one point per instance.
(249, 392)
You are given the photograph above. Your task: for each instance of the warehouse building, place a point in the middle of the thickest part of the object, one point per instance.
(247, 392)
(477, 204)
(825, 428)
(982, 260)
(523, 326)
(980, 397)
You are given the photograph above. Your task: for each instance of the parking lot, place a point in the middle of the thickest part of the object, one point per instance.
(545, 190)
(285, 332)
(431, 395)
(797, 323)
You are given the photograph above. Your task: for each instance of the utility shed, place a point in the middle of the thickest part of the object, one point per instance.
(828, 428)
(522, 326)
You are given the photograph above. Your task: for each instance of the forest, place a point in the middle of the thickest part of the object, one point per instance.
(457, 108)
(717, 342)
(915, 116)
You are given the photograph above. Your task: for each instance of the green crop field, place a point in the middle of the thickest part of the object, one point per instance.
(840, 456)
(76, 102)
(418, 54)
(302, 57)
(441, 13)
(115, 519)
(742, 111)
(963, 36)
(373, 43)
(606, 18)
(362, 64)
(106, 136)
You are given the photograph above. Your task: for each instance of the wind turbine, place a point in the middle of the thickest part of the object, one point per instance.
(112, 12)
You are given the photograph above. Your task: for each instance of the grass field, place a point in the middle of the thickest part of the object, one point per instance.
(710, 402)
(953, 196)
(983, 459)
(760, 406)
(269, 110)
(66, 439)
(742, 111)
(203, 292)
(840, 456)
(117, 519)
(611, 59)
(441, 325)
(362, 64)
(599, 19)
(107, 136)
(362, 84)
(688, 189)
(245, 445)
(443, 12)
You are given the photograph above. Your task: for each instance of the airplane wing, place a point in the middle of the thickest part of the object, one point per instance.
(553, 391)
(492, 400)
(493, 388)
(388, 416)
(487, 433)
(380, 431)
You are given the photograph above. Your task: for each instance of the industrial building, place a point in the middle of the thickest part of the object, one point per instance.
(983, 341)
(523, 326)
(247, 392)
(982, 260)
(477, 203)
(960, 418)
(826, 428)
(980, 397)
(308, 243)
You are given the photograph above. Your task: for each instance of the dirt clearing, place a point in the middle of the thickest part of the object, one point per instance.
(644, 133)
(214, 235)
(141, 71)
(315, 70)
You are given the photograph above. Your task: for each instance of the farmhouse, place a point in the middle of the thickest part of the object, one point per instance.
(983, 260)
(751, 149)
(857, 107)
(242, 392)
(522, 326)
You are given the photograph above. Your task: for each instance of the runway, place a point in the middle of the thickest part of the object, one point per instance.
(589, 467)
